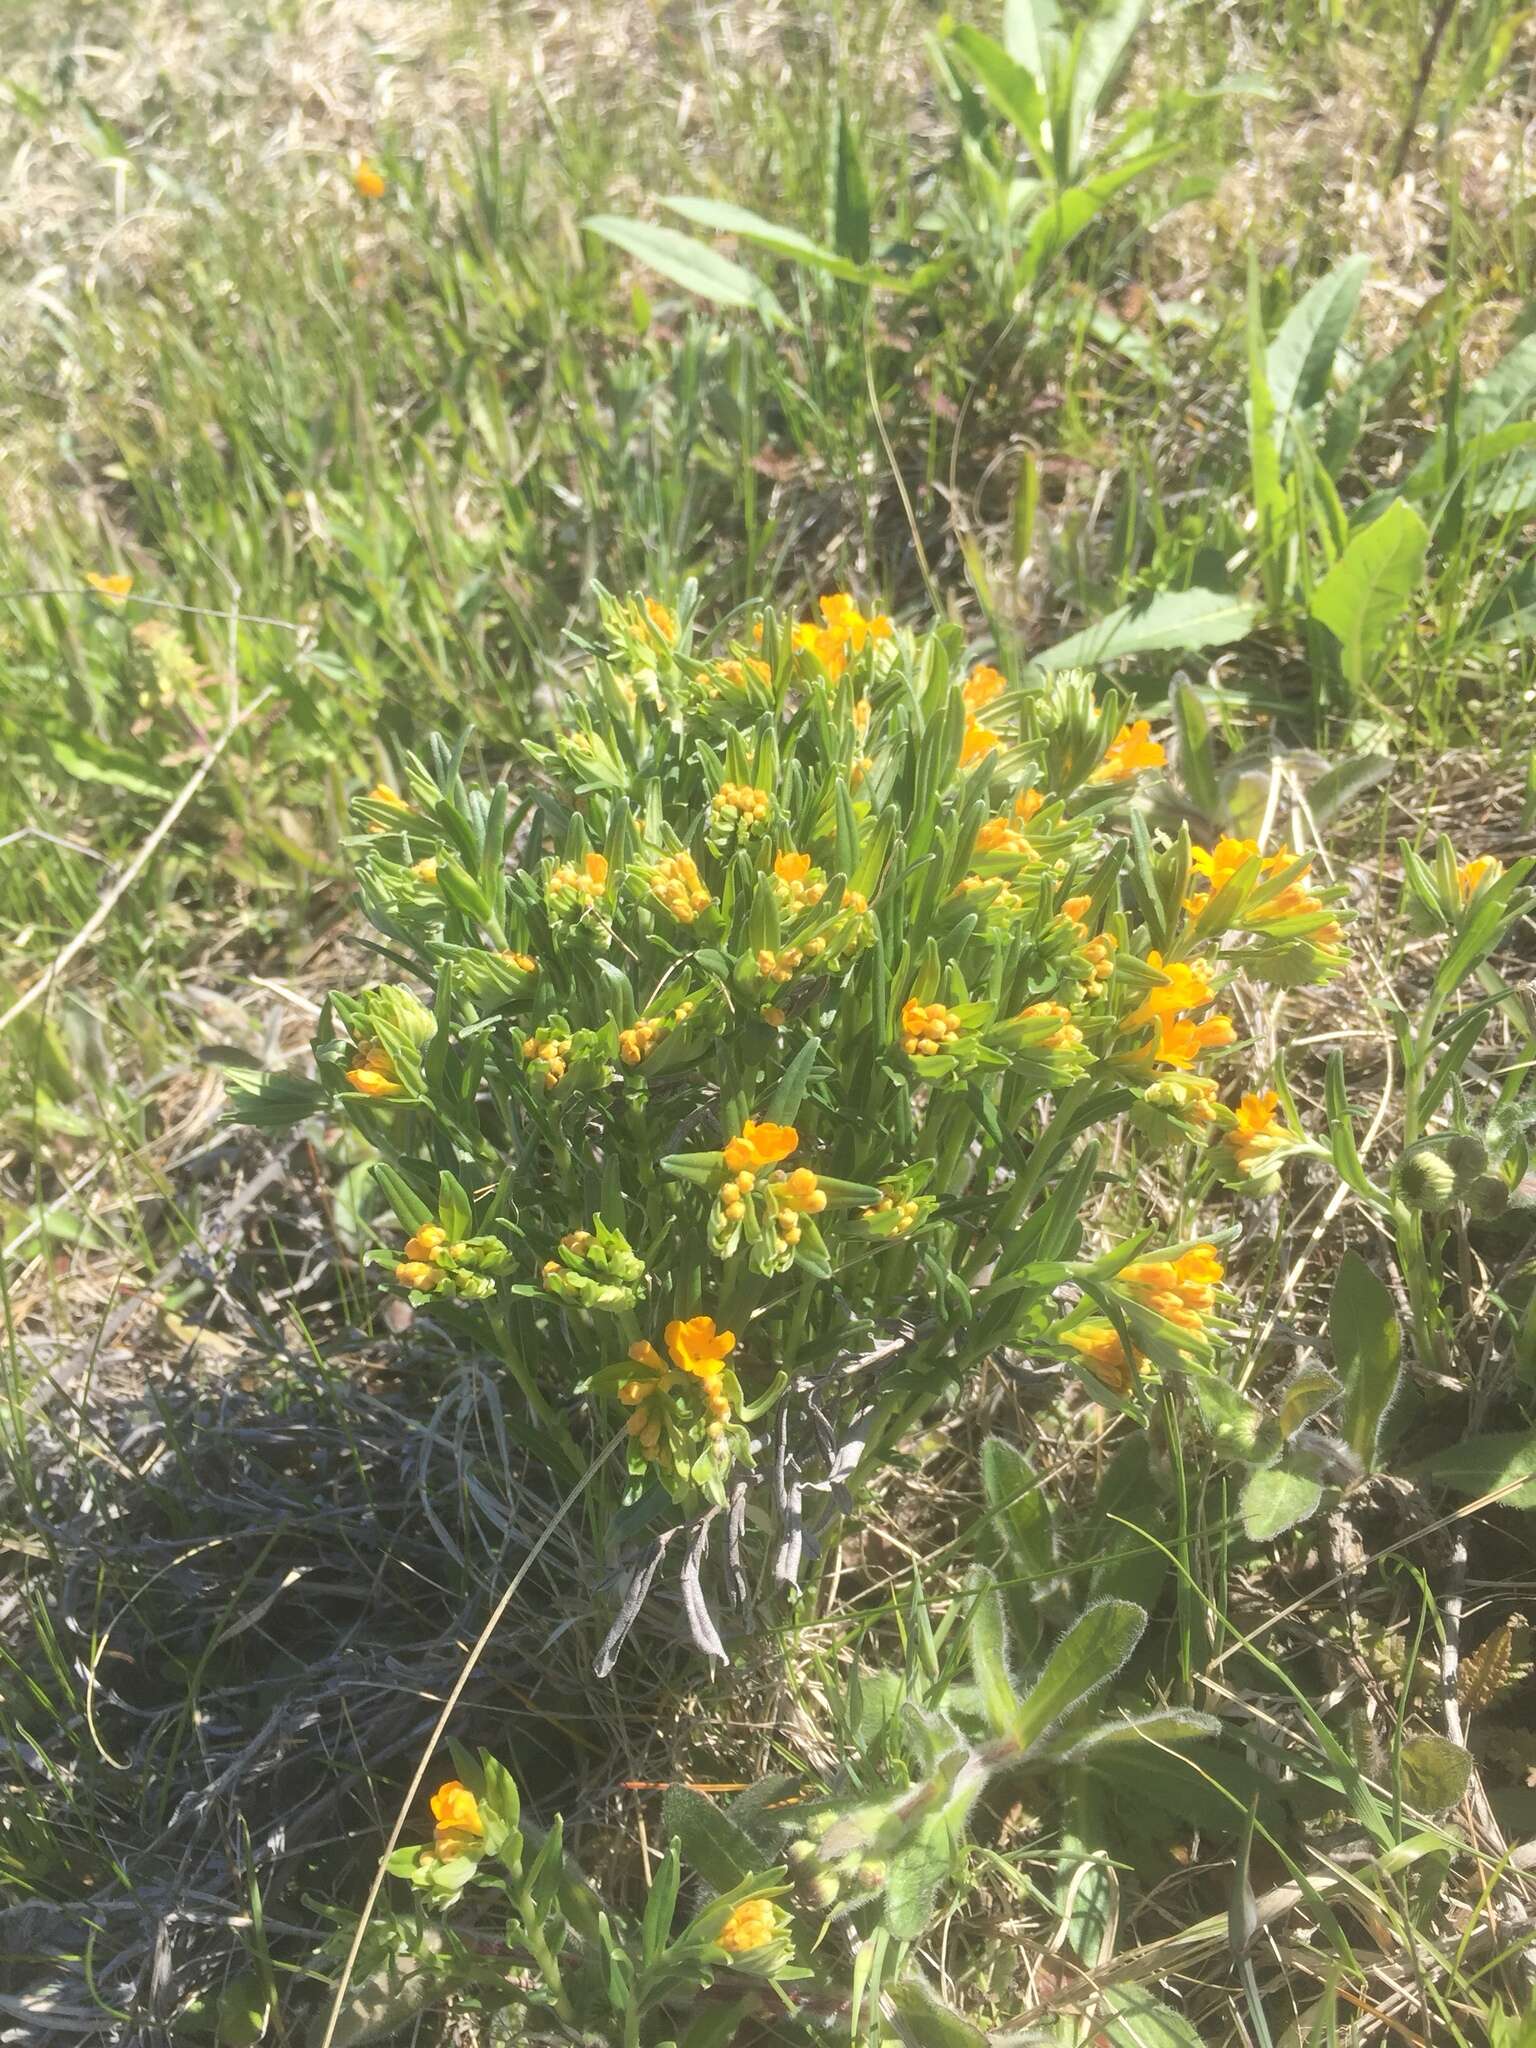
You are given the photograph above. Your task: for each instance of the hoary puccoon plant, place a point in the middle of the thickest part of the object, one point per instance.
(743, 1070)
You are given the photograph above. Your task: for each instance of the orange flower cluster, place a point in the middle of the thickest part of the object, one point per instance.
(679, 888)
(796, 891)
(926, 1028)
(1216, 866)
(1066, 1034)
(697, 1349)
(1181, 1290)
(1098, 952)
(1178, 1039)
(578, 885)
(1130, 751)
(844, 633)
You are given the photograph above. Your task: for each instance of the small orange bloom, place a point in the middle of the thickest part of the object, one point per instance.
(1471, 874)
(698, 1347)
(979, 739)
(1130, 751)
(368, 181)
(457, 1813)
(982, 687)
(752, 1925)
(759, 1145)
(113, 588)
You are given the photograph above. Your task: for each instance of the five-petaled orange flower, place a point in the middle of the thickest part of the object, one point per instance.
(1471, 874)
(760, 1145)
(368, 181)
(113, 588)
(698, 1347)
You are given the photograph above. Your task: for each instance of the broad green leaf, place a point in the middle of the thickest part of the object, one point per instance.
(923, 2021)
(1301, 355)
(1012, 89)
(1032, 36)
(917, 1870)
(1367, 1347)
(1487, 1464)
(1235, 1423)
(1100, 50)
(1306, 1393)
(1020, 1505)
(693, 265)
(1370, 586)
(1436, 1772)
(1172, 622)
(1277, 1500)
(1339, 785)
(1091, 1651)
(245, 2009)
(711, 1842)
(1136, 2018)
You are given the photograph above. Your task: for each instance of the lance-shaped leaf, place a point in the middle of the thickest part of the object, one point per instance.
(1091, 1651)
(1367, 1346)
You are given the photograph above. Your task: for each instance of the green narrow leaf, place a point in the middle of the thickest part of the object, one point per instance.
(1031, 34)
(1020, 1505)
(988, 1641)
(1371, 585)
(726, 218)
(1197, 764)
(454, 1209)
(693, 265)
(1367, 1346)
(850, 209)
(1091, 1651)
(401, 1197)
(1173, 622)
(90, 760)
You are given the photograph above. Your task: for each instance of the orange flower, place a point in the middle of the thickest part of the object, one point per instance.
(113, 588)
(1002, 835)
(1179, 1039)
(760, 1145)
(1066, 1034)
(586, 881)
(1471, 874)
(698, 1347)
(796, 891)
(1098, 1343)
(1217, 866)
(375, 1074)
(1254, 1137)
(752, 1925)
(368, 181)
(927, 1028)
(457, 1813)
(846, 632)
(1131, 750)
(979, 739)
(981, 688)
(1181, 1290)
(662, 619)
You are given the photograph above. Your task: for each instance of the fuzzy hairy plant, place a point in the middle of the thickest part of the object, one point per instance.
(742, 1078)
